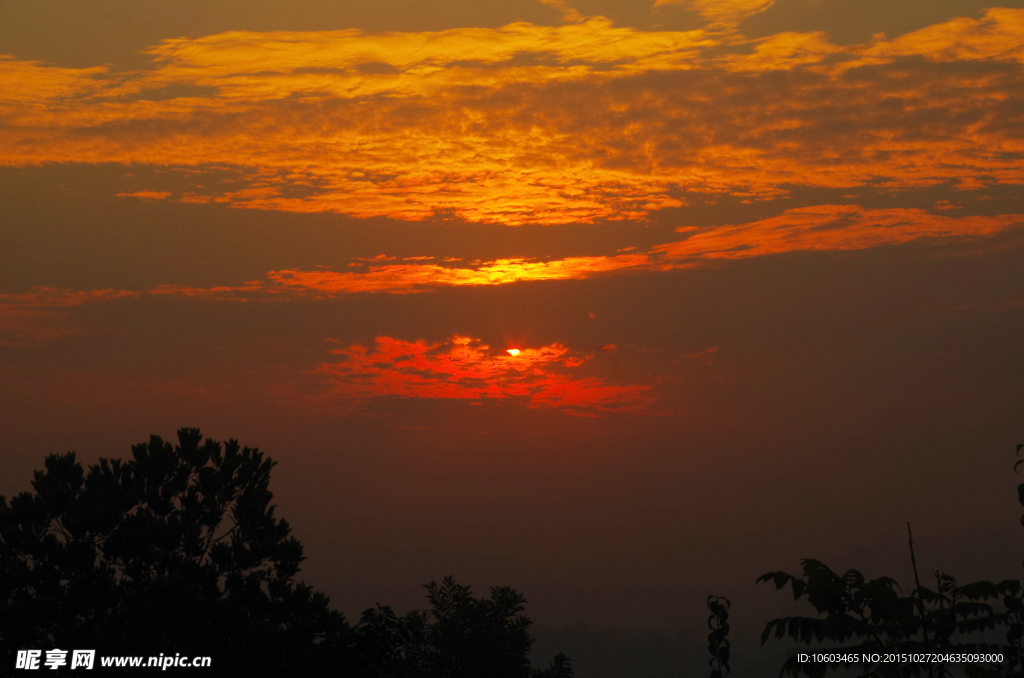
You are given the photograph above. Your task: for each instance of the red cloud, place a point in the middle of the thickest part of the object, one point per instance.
(466, 369)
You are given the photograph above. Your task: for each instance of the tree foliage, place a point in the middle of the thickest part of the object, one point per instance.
(861, 616)
(175, 550)
(178, 550)
(458, 637)
(874, 617)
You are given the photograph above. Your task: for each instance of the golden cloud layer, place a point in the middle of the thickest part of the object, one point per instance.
(535, 124)
(817, 228)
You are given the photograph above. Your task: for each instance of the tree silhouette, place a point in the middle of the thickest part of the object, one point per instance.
(178, 550)
(458, 637)
(718, 639)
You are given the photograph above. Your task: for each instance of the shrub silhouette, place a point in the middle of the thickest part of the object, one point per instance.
(718, 641)
(860, 616)
(178, 550)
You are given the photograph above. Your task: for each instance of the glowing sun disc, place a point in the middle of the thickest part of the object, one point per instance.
(513, 351)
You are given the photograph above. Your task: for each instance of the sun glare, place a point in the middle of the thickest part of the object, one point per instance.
(513, 351)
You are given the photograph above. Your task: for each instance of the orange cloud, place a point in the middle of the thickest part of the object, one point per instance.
(998, 34)
(411, 277)
(725, 11)
(40, 314)
(466, 369)
(549, 125)
(146, 195)
(567, 12)
(35, 85)
(816, 228)
(829, 228)
(408, 278)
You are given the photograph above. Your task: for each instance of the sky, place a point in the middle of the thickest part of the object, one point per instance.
(620, 303)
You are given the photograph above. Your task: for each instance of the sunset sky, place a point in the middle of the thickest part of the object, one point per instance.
(619, 302)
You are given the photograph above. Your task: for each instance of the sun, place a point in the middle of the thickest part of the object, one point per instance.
(513, 351)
